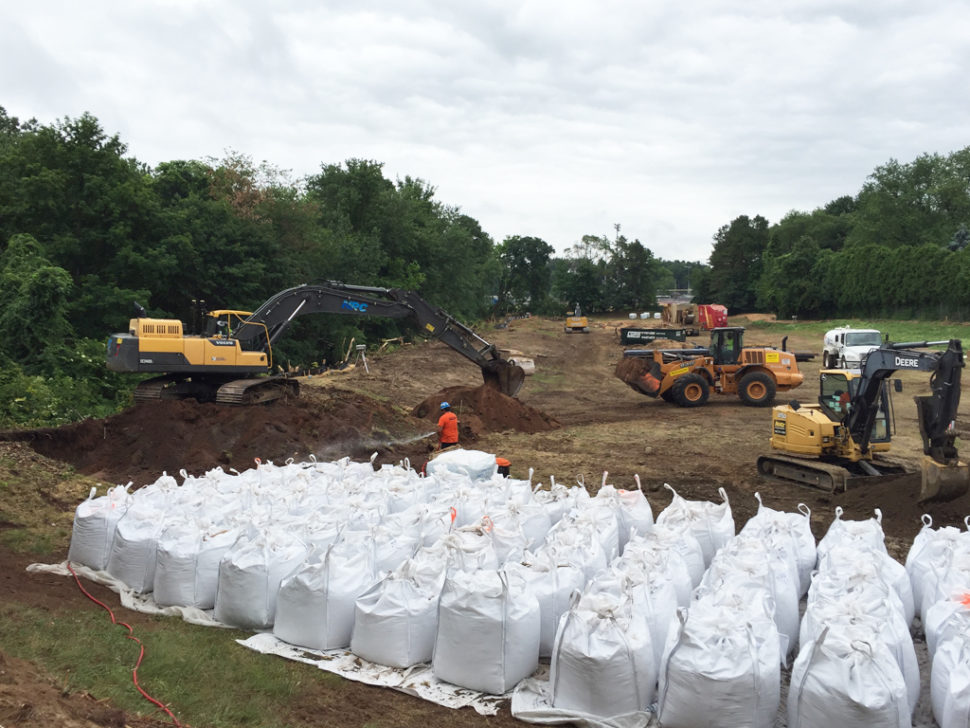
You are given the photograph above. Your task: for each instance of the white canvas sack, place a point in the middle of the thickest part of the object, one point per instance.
(315, 605)
(95, 520)
(553, 584)
(847, 684)
(710, 523)
(950, 683)
(602, 661)
(250, 574)
(790, 531)
(488, 631)
(947, 618)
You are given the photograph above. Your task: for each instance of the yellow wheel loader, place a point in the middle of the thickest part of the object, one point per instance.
(841, 442)
(686, 377)
(229, 362)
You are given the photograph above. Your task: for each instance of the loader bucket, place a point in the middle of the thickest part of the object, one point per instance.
(641, 373)
(504, 376)
(943, 482)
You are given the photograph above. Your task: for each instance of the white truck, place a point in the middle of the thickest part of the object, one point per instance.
(845, 347)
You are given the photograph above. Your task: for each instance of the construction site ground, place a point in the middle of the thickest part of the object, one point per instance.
(573, 421)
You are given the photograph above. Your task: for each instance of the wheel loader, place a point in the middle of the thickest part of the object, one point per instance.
(228, 363)
(686, 377)
(842, 441)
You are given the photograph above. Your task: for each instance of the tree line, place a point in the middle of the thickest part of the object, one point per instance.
(86, 230)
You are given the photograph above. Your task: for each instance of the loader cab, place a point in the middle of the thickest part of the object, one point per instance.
(726, 344)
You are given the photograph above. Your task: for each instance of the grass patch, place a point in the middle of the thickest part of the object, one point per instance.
(897, 330)
(199, 672)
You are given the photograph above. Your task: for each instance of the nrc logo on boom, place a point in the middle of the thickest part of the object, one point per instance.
(354, 306)
(906, 362)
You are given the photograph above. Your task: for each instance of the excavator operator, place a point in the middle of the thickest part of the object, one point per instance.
(447, 428)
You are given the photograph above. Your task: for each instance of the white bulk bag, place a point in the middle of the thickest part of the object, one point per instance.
(250, 574)
(488, 631)
(600, 519)
(930, 553)
(468, 549)
(558, 500)
(712, 524)
(853, 564)
(315, 605)
(862, 534)
(553, 585)
(132, 558)
(947, 618)
(649, 561)
(475, 464)
(577, 546)
(94, 527)
(530, 518)
(632, 509)
(847, 684)
(950, 580)
(866, 618)
(792, 531)
(721, 666)
(603, 661)
(395, 621)
(187, 558)
(950, 683)
(679, 541)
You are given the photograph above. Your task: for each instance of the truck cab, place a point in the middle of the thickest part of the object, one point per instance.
(846, 347)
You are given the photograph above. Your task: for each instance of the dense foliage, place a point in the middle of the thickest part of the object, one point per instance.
(86, 231)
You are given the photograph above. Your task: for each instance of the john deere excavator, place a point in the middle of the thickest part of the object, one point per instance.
(837, 444)
(230, 362)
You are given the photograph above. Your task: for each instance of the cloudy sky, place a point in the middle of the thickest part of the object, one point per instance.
(552, 118)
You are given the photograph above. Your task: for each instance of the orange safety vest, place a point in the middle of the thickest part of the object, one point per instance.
(448, 428)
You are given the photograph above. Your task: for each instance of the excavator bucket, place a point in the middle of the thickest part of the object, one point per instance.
(504, 376)
(943, 482)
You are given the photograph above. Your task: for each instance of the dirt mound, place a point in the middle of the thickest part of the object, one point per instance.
(143, 441)
(483, 409)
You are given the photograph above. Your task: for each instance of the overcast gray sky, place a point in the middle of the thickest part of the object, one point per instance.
(552, 118)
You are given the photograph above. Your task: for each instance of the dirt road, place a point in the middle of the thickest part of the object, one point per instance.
(573, 421)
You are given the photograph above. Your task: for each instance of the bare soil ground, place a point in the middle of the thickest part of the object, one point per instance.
(573, 421)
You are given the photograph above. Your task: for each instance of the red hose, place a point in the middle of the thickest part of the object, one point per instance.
(131, 636)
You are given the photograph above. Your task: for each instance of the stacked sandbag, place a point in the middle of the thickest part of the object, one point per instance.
(950, 682)
(857, 661)
(633, 512)
(316, 604)
(488, 631)
(845, 682)
(250, 574)
(187, 558)
(791, 532)
(474, 464)
(722, 663)
(603, 661)
(553, 584)
(396, 620)
(712, 524)
(95, 520)
(133, 547)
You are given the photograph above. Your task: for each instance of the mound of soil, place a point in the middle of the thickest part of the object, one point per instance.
(483, 409)
(137, 445)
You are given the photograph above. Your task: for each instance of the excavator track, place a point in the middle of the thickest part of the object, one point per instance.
(830, 477)
(257, 391)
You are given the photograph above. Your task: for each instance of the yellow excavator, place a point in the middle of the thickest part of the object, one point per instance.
(230, 361)
(840, 442)
(576, 322)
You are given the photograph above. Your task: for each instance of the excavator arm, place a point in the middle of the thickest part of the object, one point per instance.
(274, 317)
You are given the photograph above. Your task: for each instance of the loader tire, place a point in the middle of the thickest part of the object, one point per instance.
(757, 389)
(691, 390)
(825, 360)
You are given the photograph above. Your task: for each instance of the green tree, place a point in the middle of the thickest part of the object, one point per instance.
(526, 273)
(736, 263)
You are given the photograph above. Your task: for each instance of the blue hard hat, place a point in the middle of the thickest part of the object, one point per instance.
(445, 405)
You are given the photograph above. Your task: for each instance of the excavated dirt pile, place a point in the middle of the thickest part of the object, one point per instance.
(483, 409)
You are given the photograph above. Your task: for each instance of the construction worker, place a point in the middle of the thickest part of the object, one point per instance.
(447, 427)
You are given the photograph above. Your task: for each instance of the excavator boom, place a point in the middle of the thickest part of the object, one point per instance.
(213, 366)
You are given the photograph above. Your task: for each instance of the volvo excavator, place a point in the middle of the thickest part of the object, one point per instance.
(840, 442)
(231, 361)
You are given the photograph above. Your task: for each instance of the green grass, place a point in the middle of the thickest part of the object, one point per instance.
(897, 330)
(199, 672)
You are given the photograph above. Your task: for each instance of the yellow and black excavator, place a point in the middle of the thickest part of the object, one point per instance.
(230, 362)
(839, 443)
(576, 322)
